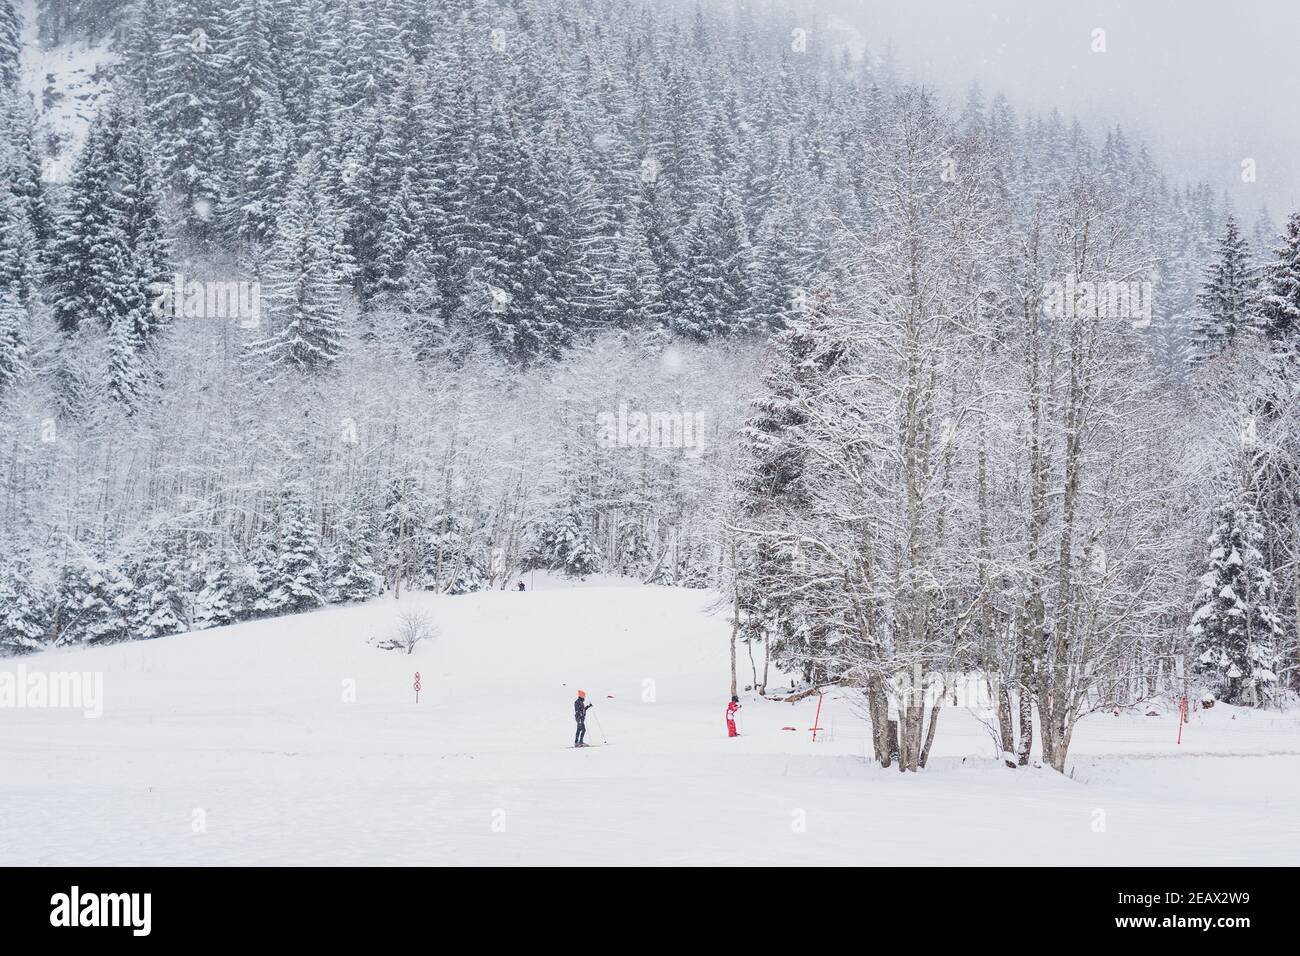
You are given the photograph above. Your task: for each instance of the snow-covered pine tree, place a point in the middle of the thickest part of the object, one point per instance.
(92, 603)
(305, 274)
(24, 608)
(18, 246)
(780, 290)
(712, 285)
(364, 51)
(136, 258)
(187, 115)
(256, 579)
(507, 273)
(1263, 238)
(251, 45)
(77, 270)
(262, 167)
(25, 222)
(159, 590)
(11, 41)
(112, 249)
(1234, 627)
(565, 544)
(298, 578)
(302, 79)
(350, 566)
(389, 199)
(142, 49)
(13, 338)
(637, 297)
(218, 601)
(1225, 295)
(1277, 312)
(636, 554)
(772, 500)
(399, 249)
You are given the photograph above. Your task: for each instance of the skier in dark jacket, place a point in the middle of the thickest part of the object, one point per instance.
(580, 708)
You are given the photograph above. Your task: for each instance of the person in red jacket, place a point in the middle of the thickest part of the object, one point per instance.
(731, 716)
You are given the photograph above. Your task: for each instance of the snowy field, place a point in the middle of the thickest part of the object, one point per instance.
(236, 746)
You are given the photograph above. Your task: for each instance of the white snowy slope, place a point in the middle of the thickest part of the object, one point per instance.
(248, 724)
(75, 75)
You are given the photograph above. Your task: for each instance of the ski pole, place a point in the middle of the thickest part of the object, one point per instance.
(602, 731)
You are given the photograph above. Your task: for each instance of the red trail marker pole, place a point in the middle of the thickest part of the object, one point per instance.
(1182, 710)
(417, 687)
(817, 718)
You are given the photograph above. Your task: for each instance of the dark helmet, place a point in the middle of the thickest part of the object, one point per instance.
(735, 699)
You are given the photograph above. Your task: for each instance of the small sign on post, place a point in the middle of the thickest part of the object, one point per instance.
(417, 687)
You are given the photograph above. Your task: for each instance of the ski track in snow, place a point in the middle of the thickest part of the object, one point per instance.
(248, 724)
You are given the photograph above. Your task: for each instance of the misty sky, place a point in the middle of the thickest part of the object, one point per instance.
(1205, 83)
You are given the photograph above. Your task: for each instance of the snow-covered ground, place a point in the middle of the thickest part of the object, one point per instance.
(237, 745)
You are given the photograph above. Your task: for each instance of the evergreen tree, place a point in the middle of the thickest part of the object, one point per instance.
(1235, 628)
(77, 275)
(451, 564)
(713, 278)
(396, 167)
(218, 601)
(635, 551)
(11, 42)
(1277, 312)
(364, 50)
(351, 574)
(24, 611)
(159, 591)
(505, 248)
(399, 248)
(1263, 238)
(401, 531)
(637, 289)
(18, 249)
(1225, 295)
(92, 604)
(565, 545)
(137, 269)
(779, 288)
(112, 252)
(307, 268)
(250, 69)
(262, 167)
(770, 587)
(256, 579)
(13, 338)
(297, 581)
(21, 167)
(187, 114)
(146, 39)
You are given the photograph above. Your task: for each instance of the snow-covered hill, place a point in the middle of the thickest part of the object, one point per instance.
(238, 745)
(67, 83)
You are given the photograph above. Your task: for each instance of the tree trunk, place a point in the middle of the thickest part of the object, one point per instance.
(884, 732)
